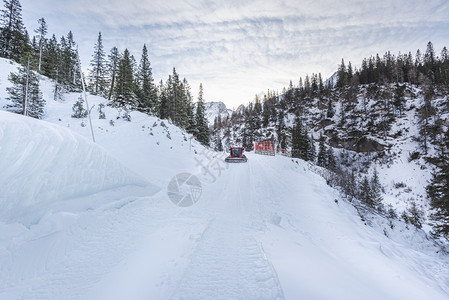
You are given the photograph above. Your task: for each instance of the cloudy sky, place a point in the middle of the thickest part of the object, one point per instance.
(239, 48)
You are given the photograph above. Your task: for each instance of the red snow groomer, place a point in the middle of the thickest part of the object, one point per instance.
(236, 155)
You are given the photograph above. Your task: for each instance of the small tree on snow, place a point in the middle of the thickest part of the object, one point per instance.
(376, 189)
(78, 109)
(322, 151)
(366, 192)
(101, 113)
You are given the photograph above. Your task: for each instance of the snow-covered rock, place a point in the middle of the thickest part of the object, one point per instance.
(215, 109)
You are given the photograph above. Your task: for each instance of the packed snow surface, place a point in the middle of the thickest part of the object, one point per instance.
(41, 163)
(80, 220)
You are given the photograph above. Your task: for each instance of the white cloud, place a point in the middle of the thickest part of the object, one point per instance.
(240, 48)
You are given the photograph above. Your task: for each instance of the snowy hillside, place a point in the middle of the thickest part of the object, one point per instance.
(363, 137)
(95, 221)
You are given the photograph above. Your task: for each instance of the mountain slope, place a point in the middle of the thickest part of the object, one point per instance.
(268, 229)
(215, 109)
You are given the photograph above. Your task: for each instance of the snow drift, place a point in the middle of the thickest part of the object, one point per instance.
(45, 167)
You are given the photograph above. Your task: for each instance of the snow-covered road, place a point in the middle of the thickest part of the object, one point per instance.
(270, 229)
(229, 261)
(267, 229)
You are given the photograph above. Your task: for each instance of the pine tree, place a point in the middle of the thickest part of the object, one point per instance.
(365, 191)
(322, 153)
(78, 109)
(227, 136)
(438, 189)
(426, 111)
(114, 59)
(376, 189)
(281, 130)
(331, 161)
(330, 112)
(41, 31)
(50, 58)
(342, 75)
(202, 129)
(311, 153)
(399, 97)
(178, 107)
(68, 75)
(125, 85)
(218, 143)
(415, 215)
(163, 101)
(146, 90)
(97, 75)
(300, 141)
(13, 37)
(190, 108)
(25, 95)
(430, 62)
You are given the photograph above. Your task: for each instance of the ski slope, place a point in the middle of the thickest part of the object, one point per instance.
(80, 220)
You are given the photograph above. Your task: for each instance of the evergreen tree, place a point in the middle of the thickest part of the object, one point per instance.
(281, 130)
(430, 62)
(124, 87)
(414, 215)
(218, 143)
(114, 59)
(146, 90)
(97, 75)
(365, 192)
(438, 189)
(330, 112)
(322, 153)
(25, 95)
(399, 97)
(311, 153)
(41, 31)
(13, 37)
(300, 141)
(163, 100)
(331, 161)
(202, 130)
(376, 189)
(342, 75)
(101, 113)
(177, 101)
(78, 108)
(50, 58)
(227, 136)
(426, 111)
(190, 108)
(68, 75)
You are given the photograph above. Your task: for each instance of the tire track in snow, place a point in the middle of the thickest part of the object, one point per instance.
(229, 263)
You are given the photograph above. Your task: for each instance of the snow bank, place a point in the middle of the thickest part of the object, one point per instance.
(44, 167)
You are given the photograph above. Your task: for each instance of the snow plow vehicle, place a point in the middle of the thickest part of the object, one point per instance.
(236, 155)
